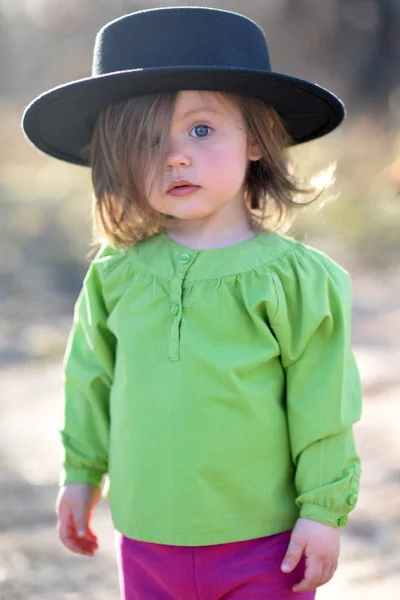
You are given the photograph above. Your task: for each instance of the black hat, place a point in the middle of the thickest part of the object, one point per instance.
(169, 49)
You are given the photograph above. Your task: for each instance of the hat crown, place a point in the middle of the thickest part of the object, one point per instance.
(165, 50)
(180, 37)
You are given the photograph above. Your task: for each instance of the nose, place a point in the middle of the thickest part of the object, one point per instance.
(177, 155)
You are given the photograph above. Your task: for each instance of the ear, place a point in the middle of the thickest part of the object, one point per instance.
(253, 151)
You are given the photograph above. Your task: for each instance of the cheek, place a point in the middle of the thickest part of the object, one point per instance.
(227, 166)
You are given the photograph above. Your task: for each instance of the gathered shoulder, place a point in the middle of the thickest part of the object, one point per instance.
(107, 258)
(293, 255)
(111, 268)
(304, 278)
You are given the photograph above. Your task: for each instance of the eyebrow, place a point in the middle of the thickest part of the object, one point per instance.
(197, 110)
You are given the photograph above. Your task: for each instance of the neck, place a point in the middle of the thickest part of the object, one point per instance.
(222, 230)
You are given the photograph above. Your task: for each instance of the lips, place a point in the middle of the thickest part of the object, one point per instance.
(184, 190)
(180, 183)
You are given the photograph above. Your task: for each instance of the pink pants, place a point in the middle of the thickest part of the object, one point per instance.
(248, 570)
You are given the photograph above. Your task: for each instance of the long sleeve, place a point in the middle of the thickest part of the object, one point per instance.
(323, 391)
(88, 375)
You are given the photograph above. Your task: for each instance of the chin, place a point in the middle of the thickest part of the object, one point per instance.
(191, 215)
(188, 212)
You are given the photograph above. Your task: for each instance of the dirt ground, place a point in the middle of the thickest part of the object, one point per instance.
(34, 566)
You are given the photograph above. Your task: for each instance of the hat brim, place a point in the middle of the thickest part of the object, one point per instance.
(60, 121)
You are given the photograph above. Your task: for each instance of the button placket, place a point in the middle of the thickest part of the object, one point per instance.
(176, 301)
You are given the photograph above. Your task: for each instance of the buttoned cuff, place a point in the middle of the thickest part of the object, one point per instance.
(88, 476)
(335, 518)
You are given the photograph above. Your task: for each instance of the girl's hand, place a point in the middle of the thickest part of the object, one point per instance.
(321, 545)
(75, 503)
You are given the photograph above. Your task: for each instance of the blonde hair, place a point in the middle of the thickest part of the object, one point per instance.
(120, 155)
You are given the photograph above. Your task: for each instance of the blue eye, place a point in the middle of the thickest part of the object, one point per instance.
(201, 130)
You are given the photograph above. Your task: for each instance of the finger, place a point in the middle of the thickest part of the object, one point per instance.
(325, 575)
(67, 535)
(85, 542)
(69, 541)
(312, 575)
(79, 548)
(331, 572)
(89, 538)
(90, 534)
(80, 520)
(79, 545)
(292, 556)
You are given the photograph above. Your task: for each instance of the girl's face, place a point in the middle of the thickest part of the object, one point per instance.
(208, 147)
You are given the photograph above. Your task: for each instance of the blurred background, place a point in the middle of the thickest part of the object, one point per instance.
(349, 46)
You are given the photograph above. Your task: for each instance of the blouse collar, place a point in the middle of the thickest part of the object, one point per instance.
(166, 258)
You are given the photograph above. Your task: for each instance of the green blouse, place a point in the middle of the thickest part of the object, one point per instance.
(216, 388)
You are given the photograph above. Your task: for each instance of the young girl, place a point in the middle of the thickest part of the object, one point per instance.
(208, 372)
